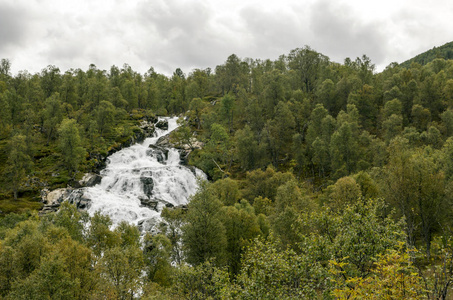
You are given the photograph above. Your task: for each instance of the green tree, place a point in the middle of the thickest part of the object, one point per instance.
(447, 118)
(392, 126)
(157, 253)
(204, 281)
(196, 107)
(269, 272)
(413, 184)
(123, 270)
(228, 110)
(248, 151)
(344, 149)
(241, 226)
(69, 218)
(279, 132)
(420, 117)
(393, 277)
(52, 116)
(18, 164)
(99, 237)
(5, 112)
(49, 281)
(204, 234)
(105, 116)
(226, 190)
(70, 145)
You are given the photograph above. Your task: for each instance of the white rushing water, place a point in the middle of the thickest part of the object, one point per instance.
(138, 177)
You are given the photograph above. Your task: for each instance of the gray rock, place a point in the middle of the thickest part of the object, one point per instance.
(150, 203)
(55, 196)
(148, 185)
(90, 179)
(162, 124)
(164, 141)
(149, 225)
(160, 153)
(147, 128)
(77, 198)
(52, 199)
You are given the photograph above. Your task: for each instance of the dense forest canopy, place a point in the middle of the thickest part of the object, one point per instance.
(444, 51)
(327, 180)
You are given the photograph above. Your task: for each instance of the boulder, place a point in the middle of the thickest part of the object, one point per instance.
(149, 225)
(55, 197)
(162, 124)
(90, 179)
(164, 141)
(52, 199)
(147, 128)
(151, 204)
(148, 185)
(76, 197)
(161, 154)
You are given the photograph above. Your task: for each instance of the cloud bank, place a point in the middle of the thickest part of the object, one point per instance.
(190, 34)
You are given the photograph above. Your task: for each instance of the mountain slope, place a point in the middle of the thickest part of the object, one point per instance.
(445, 52)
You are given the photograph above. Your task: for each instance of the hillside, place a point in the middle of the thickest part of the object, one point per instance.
(326, 181)
(445, 52)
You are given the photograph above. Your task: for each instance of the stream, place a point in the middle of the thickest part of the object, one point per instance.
(139, 181)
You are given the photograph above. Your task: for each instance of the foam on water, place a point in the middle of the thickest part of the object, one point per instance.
(142, 173)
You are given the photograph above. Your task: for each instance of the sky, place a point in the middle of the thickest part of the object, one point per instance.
(189, 34)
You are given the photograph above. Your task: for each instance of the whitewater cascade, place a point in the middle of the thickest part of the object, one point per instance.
(140, 180)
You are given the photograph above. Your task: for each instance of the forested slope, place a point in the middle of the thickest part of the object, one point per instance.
(327, 180)
(444, 52)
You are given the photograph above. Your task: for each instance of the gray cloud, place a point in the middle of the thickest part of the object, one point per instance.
(179, 34)
(340, 34)
(13, 26)
(272, 33)
(168, 34)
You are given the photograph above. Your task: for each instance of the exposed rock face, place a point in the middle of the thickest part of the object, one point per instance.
(151, 204)
(148, 185)
(164, 142)
(76, 197)
(52, 199)
(90, 179)
(147, 128)
(161, 154)
(184, 150)
(149, 225)
(162, 124)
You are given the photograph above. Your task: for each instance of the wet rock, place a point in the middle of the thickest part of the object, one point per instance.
(90, 179)
(164, 141)
(148, 185)
(149, 225)
(55, 197)
(52, 199)
(162, 124)
(148, 128)
(151, 204)
(77, 198)
(160, 153)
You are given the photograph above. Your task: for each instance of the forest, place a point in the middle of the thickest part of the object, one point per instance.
(326, 181)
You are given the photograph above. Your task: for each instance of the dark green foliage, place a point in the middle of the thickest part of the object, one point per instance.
(299, 148)
(18, 164)
(444, 51)
(203, 233)
(70, 145)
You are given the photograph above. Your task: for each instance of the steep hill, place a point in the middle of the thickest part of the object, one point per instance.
(445, 52)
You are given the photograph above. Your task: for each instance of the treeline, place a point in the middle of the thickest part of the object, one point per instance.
(444, 52)
(329, 180)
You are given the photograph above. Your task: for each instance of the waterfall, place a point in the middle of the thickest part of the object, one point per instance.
(140, 180)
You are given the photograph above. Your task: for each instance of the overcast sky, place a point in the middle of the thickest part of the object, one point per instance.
(188, 34)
